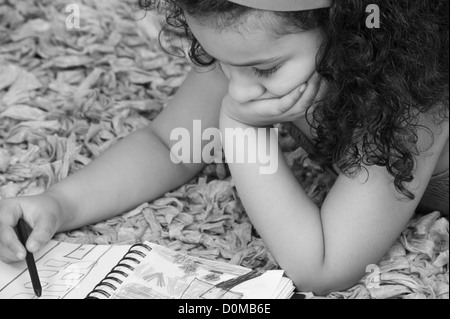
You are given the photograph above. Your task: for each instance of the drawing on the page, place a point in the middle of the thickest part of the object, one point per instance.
(58, 276)
(137, 291)
(189, 278)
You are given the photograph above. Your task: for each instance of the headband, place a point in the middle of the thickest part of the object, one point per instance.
(284, 5)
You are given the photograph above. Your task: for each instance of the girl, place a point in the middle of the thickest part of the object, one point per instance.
(372, 101)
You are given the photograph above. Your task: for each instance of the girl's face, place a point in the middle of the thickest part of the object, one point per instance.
(257, 64)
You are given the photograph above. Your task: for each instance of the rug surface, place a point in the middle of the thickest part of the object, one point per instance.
(77, 76)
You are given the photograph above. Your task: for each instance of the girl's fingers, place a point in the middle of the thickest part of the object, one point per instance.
(44, 229)
(306, 99)
(14, 250)
(289, 101)
(292, 105)
(277, 106)
(311, 92)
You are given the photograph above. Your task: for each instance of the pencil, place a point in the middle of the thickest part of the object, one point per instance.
(23, 236)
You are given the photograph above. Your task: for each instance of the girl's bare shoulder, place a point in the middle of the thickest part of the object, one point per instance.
(198, 98)
(433, 138)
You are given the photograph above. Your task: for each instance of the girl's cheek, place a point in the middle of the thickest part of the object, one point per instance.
(289, 77)
(283, 84)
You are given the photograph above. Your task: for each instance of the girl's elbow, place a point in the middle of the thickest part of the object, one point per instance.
(322, 284)
(318, 289)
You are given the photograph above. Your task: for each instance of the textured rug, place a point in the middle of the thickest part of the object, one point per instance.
(77, 76)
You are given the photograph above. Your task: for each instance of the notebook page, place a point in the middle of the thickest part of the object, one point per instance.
(285, 289)
(167, 274)
(65, 271)
(262, 287)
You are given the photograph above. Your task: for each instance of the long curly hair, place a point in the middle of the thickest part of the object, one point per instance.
(380, 79)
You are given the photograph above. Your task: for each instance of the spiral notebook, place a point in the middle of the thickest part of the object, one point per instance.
(141, 271)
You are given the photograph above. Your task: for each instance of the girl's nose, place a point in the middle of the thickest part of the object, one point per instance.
(245, 91)
(242, 87)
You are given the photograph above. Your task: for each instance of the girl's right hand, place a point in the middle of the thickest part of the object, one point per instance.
(287, 108)
(43, 213)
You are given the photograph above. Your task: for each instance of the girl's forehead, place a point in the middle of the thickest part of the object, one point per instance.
(250, 29)
(250, 22)
(240, 44)
(232, 41)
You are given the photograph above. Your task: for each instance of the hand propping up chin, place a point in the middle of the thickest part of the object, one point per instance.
(289, 107)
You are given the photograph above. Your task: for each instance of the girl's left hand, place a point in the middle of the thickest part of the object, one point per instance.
(289, 107)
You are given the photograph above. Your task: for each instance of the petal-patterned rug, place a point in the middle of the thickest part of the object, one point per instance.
(77, 76)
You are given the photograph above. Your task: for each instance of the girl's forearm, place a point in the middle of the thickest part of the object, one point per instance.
(326, 249)
(286, 218)
(135, 170)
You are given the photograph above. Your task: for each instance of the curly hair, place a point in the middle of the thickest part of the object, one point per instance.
(379, 79)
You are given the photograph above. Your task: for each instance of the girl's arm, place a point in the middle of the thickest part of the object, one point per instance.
(328, 249)
(139, 168)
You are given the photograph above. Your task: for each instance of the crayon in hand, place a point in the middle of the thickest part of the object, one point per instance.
(23, 233)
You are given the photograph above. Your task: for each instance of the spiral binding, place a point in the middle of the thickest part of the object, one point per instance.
(99, 288)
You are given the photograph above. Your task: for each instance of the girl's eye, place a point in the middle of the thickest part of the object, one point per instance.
(265, 73)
